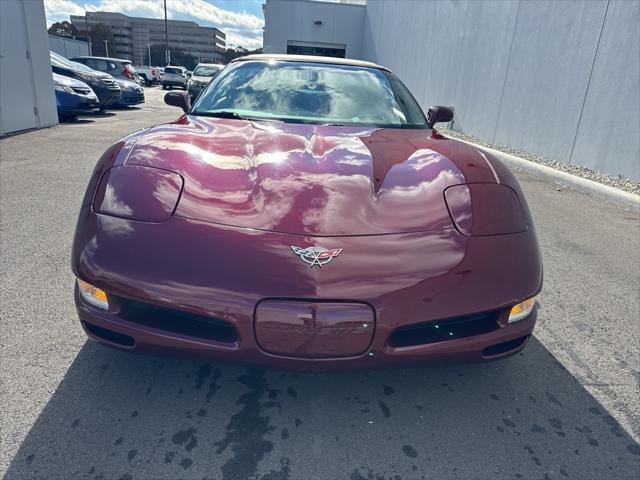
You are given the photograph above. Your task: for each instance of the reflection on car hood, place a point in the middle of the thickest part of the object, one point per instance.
(68, 82)
(311, 179)
(201, 79)
(127, 84)
(99, 74)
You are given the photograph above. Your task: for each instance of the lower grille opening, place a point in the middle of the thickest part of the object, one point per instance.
(110, 335)
(504, 347)
(176, 321)
(443, 330)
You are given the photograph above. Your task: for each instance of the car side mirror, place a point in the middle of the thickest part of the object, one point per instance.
(439, 114)
(188, 75)
(178, 99)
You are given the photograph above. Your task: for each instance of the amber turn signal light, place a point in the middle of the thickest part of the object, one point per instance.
(521, 310)
(93, 295)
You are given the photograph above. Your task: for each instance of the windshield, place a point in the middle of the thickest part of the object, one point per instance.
(206, 70)
(60, 61)
(176, 71)
(82, 66)
(311, 93)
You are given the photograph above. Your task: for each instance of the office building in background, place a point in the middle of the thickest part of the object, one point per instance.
(133, 36)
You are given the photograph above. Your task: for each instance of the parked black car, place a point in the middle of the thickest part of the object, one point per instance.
(105, 87)
(132, 93)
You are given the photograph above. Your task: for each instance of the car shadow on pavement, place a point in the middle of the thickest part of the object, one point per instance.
(103, 114)
(122, 416)
(78, 121)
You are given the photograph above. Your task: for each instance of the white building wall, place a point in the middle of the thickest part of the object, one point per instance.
(559, 79)
(294, 20)
(68, 47)
(26, 85)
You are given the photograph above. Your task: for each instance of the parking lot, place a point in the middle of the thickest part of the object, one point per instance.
(566, 407)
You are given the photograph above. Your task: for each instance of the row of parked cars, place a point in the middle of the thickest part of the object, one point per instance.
(85, 83)
(194, 81)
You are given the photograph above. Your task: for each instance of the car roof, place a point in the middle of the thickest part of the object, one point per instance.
(209, 65)
(310, 59)
(121, 60)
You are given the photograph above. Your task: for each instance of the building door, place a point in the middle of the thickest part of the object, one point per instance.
(17, 92)
(321, 49)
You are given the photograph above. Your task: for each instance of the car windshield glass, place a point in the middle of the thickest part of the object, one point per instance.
(173, 70)
(206, 71)
(82, 66)
(320, 93)
(60, 61)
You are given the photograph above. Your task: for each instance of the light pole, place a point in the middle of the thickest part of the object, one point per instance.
(86, 27)
(106, 46)
(148, 46)
(167, 56)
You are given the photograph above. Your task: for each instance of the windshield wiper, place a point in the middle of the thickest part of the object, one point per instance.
(221, 114)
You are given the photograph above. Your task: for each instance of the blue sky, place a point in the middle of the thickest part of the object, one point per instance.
(241, 20)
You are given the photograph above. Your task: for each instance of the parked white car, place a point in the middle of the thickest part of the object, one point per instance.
(174, 77)
(150, 75)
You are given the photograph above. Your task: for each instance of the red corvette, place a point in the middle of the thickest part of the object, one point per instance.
(304, 213)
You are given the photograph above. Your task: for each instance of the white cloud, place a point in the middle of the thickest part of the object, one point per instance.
(58, 10)
(241, 28)
(250, 42)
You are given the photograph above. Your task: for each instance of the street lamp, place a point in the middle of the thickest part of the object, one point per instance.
(167, 56)
(86, 27)
(106, 46)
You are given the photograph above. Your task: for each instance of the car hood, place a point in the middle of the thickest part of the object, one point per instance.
(314, 180)
(201, 79)
(97, 74)
(68, 82)
(127, 84)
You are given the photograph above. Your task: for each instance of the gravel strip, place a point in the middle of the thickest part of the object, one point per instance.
(620, 182)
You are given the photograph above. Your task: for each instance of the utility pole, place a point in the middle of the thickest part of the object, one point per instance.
(167, 55)
(148, 46)
(106, 47)
(86, 27)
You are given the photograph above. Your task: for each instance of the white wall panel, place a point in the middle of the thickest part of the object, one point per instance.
(294, 20)
(523, 73)
(609, 134)
(26, 85)
(551, 59)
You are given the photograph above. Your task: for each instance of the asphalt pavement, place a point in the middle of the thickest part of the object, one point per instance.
(566, 407)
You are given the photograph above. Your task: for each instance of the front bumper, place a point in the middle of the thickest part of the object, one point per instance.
(174, 83)
(407, 279)
(108, 329)
(75, 105)
(107, 96)
(131, 98)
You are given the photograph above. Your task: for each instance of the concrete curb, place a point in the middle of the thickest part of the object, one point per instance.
(626, 200)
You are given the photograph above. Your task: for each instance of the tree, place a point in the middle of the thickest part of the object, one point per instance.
(63, 29)
(98, 34)
(233, 53)
(179, 56)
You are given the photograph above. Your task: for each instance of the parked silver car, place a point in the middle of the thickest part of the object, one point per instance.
(202, 75)
(116, 67)
(174, 77)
